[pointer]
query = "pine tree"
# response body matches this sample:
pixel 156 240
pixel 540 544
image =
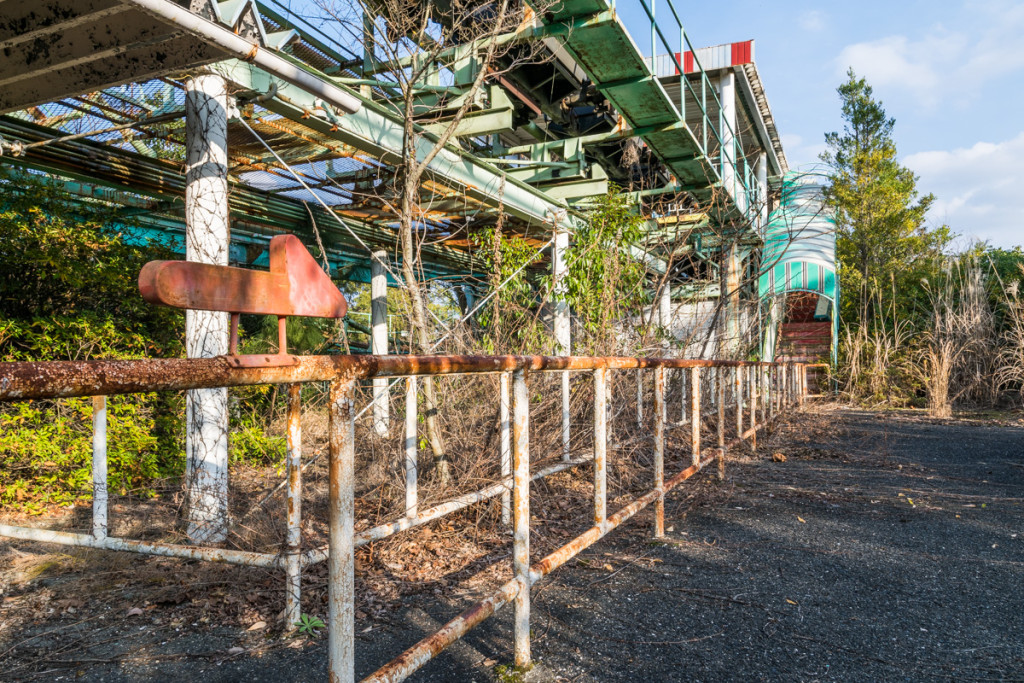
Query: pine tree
pixel 882 243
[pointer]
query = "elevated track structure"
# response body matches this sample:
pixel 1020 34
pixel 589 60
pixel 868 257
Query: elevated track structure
pixel 214 126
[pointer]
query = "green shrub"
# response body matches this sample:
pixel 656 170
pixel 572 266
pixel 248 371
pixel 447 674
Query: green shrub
pixel 68 291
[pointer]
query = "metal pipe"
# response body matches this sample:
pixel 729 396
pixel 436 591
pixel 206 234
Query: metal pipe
pixel 411 450
pixel 422 652
pixel 249 51
pixel 600 445
pixel 752 373
pixel 659 450
pixel 521 515
pixel 317 555
pixel 737 388
pixel 506 446
pixel 559 557
pixel 63 379
pixel 293 545
pixel 187 552
pixel 640 399
pixel 684 403
pixel 695 414
pixel 99 467
pixel 721 423
pixel 341 666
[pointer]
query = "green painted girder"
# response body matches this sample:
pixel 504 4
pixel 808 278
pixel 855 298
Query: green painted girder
pixel 376 132
pixel 617 67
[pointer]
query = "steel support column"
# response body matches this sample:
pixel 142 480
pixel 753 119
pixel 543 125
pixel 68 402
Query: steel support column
pixel 379 338
pixel 562 329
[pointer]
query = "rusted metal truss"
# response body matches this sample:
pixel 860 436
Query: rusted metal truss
pixel 762 391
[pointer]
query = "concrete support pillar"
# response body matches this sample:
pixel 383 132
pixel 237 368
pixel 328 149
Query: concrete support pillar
pixel 206 332
pixel 379 338
pixel 762 190
pixel 731 276
pixel 665 307
pixel 563 340
pixel 727 119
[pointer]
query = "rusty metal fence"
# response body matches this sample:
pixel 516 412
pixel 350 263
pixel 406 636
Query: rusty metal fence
pixel 759 392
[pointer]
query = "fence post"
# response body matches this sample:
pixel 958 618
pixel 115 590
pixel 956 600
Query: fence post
pixel 639 398
pixel 737 389
pixel 521 514
pixel 722 378
pixel 99 467
pixel 341 510
pixel 293 545
pixel 412 503
pixel 506 447
pixel 659 450
pixel 752 378
pixel 600 446
pixel 695 414
pixel 684 403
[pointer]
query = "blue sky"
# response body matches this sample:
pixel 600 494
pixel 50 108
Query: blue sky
pixel 951 73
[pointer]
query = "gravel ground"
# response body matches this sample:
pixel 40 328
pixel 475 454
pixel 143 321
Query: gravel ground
pixel 884 548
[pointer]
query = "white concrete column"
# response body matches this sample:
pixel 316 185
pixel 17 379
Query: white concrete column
pixel 563 334
pixel 379 338
pixel 762 190
pixel 731 275
pixel 727 95
pixel 665 307
pixel 206 332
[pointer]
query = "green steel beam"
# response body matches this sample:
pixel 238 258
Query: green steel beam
pixel 376 132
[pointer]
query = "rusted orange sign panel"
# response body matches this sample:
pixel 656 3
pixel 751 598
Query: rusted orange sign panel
pixel 295 285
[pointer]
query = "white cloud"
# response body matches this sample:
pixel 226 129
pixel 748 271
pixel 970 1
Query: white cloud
pixel 943 66
pixel 813 21
pixel 977 189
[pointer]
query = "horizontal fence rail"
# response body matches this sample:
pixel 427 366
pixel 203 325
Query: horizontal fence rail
pixel 761 391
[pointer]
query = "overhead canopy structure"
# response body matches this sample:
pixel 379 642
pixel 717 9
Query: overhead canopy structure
pixel 94 96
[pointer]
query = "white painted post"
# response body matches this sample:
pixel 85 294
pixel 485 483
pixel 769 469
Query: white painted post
pixel 411 450
pixel 207 239
pixel 665 308
pixel 563 333
pixel 727 94
pixel 99 467
pixel 762 190
pixel 506 446
pixel 379 338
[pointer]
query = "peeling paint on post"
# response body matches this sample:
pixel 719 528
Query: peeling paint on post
pixel 506 446
pixel 341 510
pixel 751 373
pixel 684 403
pixel 411 450
pixel 737 389
pixel 640 398
pixel 659 450
pixel 600 446
pixel 722 378
pixel 521 514
pixel 293 544
pixel 99 467
pixel 695 414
